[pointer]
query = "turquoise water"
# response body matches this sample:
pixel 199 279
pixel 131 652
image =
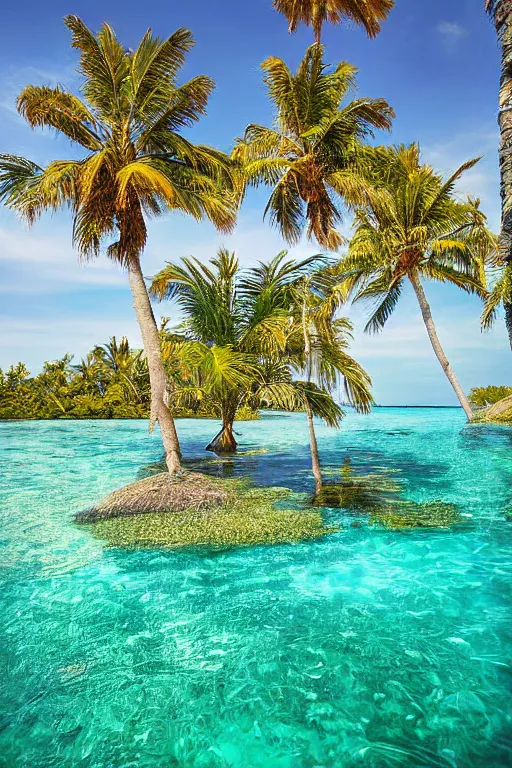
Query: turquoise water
pixel 368 648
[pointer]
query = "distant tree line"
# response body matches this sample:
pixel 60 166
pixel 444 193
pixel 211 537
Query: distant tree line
pixel 111 382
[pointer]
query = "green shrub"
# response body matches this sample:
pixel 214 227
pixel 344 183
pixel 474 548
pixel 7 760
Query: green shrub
pixel 484 396
pixel 246 413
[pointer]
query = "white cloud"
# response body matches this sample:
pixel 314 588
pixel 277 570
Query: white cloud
pixel 451 33
pixel 33 263
pixel 14 80
pixel 35 341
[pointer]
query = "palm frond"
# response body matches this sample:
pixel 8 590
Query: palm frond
pixel 46 107
pixel 321 402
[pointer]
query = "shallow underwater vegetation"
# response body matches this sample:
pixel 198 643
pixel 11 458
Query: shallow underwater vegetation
pixel 249 517
pixel 408 514
pixel 356 491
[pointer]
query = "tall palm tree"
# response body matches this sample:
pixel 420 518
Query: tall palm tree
pixel 236 328
pixel 308 156
pixel 318 347
pixel 313 13
pixel 135 164
pixel 501 13
pixel 411 227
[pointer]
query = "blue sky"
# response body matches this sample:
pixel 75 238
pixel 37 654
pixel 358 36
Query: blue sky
pixel 436 62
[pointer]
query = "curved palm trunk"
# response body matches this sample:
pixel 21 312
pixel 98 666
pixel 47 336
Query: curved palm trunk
pixel 157 377
pixel 315 458
pixel 503 21
pixel 436 344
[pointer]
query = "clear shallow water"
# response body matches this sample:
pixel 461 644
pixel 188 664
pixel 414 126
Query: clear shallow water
pixel 369 648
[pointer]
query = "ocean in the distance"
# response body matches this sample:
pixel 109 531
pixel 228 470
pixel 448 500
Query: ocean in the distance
pixel 369 648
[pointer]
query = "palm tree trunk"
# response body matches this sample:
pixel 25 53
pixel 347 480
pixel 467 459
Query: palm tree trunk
pixel 436 344
pixel 315 458
pixel 502 14
pixel 224 441
pixel 157 377
pixel 508 318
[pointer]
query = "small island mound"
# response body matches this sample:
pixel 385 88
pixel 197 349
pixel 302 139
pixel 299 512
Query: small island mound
pixel 196 510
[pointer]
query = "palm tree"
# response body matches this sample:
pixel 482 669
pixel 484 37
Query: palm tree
pixel 500 294
pixel 318 349
pixel 501 13
pixel 313 13
pixel 135 164
pixel 411 227
pixel 236 327
pixel 120 365
pixel 308 156
pixel 90 375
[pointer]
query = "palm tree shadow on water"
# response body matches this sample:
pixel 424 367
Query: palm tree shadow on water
pixel 368 486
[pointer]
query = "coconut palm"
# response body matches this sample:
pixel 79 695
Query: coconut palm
pixel 122 366
pixel 500 295
pixel 308 156
pixel 318 347
pixel 135 164
pixel 237 326
pixel 412 228
pixel 313 13
pixel 501 13
pixel 90 375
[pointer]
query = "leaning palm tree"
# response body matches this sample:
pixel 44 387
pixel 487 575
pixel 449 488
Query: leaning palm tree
pixel 412 228
pixel 314 13
pixel 308 156
pixel 501 13
pixel 135 164
pixel 318 346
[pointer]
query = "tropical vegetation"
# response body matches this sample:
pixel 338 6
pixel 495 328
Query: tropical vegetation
pixel 308 157
pixel 412 228
pixel 248 516
pixel 135 164
pixel 110 382
pixel 272 335
pixel 481 397
pixel 499 296
pixel 244 330
pixel 318 342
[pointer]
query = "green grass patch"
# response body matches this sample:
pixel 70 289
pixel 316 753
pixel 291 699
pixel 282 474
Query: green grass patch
pixel 482 418
pixel 250 517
